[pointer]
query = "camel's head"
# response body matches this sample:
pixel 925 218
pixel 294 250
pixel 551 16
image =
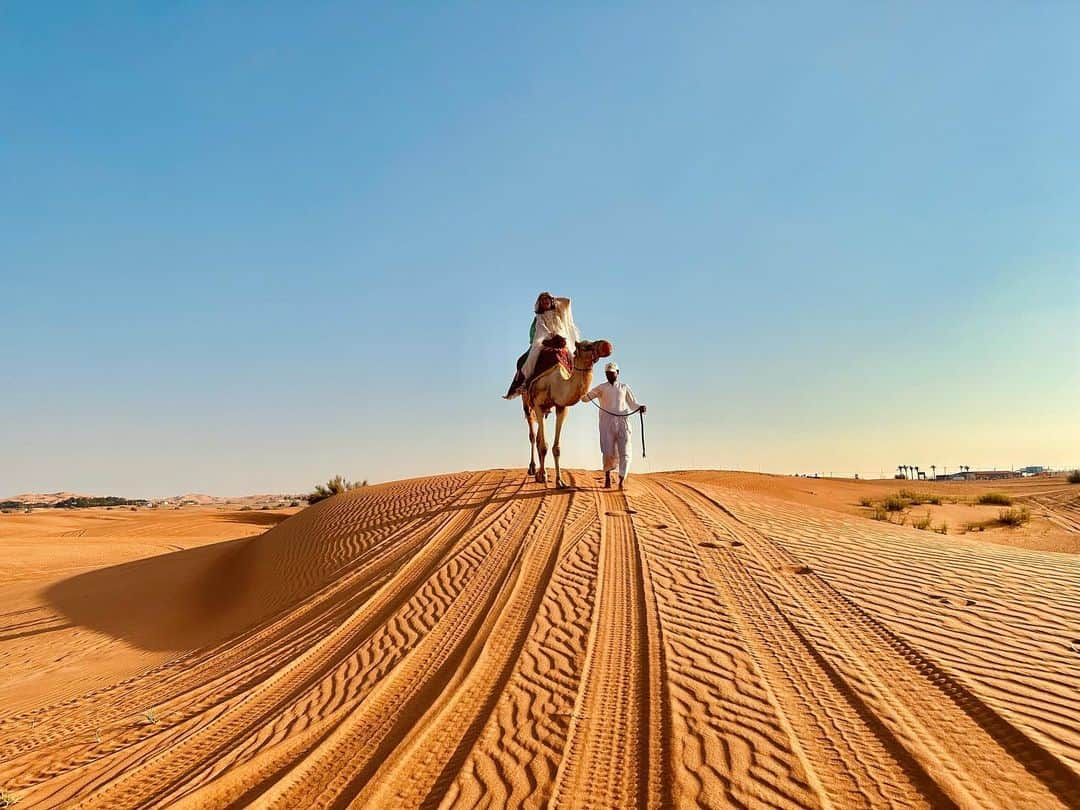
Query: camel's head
pixel 593 350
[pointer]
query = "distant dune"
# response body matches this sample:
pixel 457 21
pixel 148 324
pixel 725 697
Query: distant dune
pixel 49 499
pixel 478 640
pixel 44 498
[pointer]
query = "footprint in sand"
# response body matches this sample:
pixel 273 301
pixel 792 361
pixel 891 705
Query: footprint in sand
pixel 952 601
pixel 719 544
pixel 661 525
pixel 795 568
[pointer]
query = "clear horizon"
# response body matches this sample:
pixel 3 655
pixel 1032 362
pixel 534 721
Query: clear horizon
pixel 243 253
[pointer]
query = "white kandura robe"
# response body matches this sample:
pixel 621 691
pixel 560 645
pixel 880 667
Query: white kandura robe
pixel 615 431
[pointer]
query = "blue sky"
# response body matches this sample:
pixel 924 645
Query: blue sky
pixel 247 246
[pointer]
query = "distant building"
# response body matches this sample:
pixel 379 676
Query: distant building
pixel 1032 470
pixel 990 475
pixel 978 475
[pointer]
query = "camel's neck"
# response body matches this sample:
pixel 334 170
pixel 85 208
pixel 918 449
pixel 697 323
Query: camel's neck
pixel 578 385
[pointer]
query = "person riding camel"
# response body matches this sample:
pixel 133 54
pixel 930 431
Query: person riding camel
pixel 553 318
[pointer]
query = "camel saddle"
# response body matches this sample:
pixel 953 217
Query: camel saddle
pixel 552 354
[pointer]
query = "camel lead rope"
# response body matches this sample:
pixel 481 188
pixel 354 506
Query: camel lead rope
pixel 637 410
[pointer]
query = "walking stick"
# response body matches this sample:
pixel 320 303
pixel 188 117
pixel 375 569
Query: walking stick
pixel 641 416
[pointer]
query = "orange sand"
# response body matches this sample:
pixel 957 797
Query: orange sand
pixel 474 640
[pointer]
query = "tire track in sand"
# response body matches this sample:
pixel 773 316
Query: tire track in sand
pixel 517 754
pixel 341 764
pixel 977 758
pixel 851 760
pixel 433 754
pixel 614 755
pixel 162 763
pixel 729 745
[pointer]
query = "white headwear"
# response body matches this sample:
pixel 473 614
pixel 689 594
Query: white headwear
pixel 612 367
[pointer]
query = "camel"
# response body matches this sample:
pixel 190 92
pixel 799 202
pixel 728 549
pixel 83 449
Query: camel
pixel 558 389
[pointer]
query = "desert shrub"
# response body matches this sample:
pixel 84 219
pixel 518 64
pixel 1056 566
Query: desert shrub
pixel 923 523
pixel 335 486
pixel 943 528
pixel 1014 517
pixel 880 513
pixel 867 502
pixel 994 499
pixel 294 503
pixel 1073 477
pixel 9 799
pixel 919 498
pixel 894 503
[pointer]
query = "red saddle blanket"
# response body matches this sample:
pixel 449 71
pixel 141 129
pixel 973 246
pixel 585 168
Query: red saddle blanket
pixel 554 353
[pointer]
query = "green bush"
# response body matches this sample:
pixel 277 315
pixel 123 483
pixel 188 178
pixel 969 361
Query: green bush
pixel 893 503
pixel 922 523
pixel 994 499
pixel 335 486
pixel 1014 517
pixel 1073 477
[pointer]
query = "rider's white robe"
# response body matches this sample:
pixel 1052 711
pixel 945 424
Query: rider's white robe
pixel 615 431
pixel 558 321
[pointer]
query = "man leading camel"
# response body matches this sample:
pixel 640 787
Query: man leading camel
pixel 617 405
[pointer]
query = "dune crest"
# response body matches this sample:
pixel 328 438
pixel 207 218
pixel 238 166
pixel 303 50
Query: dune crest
pixel 479 640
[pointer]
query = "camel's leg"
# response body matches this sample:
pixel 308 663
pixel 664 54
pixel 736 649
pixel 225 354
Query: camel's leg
pixel 560 417
pixel 541 447
pixel 529 420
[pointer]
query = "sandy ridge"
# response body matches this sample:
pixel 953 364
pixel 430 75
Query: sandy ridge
pixel 478 640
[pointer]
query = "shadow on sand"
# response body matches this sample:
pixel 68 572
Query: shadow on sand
pixel 178 601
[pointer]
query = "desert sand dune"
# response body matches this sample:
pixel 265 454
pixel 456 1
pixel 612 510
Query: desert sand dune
pixel 477 640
